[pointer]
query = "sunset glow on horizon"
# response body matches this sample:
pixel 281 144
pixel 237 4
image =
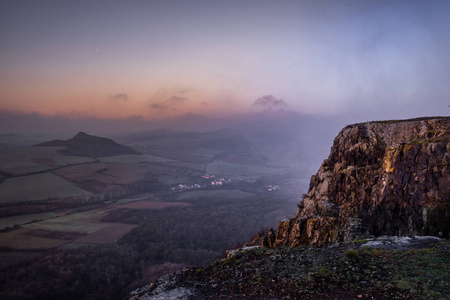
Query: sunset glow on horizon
pixel 160 59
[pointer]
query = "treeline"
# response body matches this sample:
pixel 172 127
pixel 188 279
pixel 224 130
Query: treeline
pixel 105 271
pixel 101 272
pixel 198 234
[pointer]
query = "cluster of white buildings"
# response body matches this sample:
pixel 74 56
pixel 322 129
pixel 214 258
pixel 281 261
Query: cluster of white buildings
pixel 211 180
pixel 207 176
pixel 271 187
pixel 184 187
pixel 216 181
pixel 220 181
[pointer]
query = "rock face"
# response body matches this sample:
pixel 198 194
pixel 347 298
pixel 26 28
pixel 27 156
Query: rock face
pixel 381 178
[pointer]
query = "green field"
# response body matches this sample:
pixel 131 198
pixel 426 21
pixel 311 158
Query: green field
pixel 9 222
pixel 38 187
pixel 52 231
pixel 85 222
pixel 110 173
pixel 85 179
pixel 26 160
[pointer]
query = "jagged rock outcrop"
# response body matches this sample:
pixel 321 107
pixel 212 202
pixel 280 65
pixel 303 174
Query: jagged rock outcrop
pixel 381 178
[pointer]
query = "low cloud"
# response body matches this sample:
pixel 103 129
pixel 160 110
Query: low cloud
pixel 175 100
pixel 123 97
pixel 158 106
pixel 186 90
pixel 269 102
pixel 170 104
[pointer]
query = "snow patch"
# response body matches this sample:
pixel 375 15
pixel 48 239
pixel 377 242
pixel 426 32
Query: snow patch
pixel 400 243
pixel 231 253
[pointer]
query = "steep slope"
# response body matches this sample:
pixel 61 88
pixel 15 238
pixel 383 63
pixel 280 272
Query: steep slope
pixel 83 144
pixel 381 178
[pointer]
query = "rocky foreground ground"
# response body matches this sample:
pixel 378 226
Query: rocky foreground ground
pixel 382 268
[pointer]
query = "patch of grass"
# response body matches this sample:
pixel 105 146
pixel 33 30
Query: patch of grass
pixel 342 272
pixel 323 271
pixel 258 279
pixel 220 261
pixel 351 254
pixel 362 241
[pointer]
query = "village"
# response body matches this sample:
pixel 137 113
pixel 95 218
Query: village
pixel 208 180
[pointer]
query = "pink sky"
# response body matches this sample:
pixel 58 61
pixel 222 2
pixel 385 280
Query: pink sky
pixel 158 59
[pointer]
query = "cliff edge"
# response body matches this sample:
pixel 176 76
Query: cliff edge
pixel 381 178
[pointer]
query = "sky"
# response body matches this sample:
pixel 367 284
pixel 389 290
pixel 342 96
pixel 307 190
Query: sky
pixel 155 60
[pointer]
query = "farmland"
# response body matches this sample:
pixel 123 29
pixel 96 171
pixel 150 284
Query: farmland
pixel 26 160
pixel 167 160
pixel 183 201
pixel 10 222
pixel 146 158
pixel 37 187
pixel 214 194
pixel 48 230
pixel 151 205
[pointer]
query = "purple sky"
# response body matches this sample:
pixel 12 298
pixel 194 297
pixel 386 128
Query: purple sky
pixel 360 60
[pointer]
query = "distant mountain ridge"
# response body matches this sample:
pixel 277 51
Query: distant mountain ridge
pixel 83 144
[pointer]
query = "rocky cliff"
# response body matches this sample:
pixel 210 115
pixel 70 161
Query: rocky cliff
pixel 381 178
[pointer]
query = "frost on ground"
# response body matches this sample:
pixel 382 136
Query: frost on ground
pixel 231 253
pixel 163 289
pixel 400 243
pixel 175 294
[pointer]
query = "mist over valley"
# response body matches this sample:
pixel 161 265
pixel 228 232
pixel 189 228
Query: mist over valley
pixel 163 198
